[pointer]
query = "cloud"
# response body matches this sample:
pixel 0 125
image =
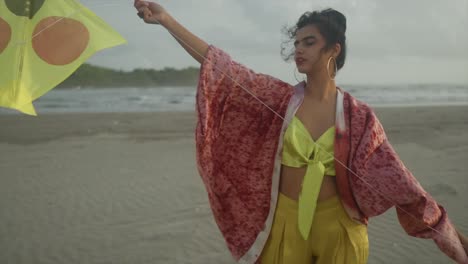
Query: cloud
pixel 397 32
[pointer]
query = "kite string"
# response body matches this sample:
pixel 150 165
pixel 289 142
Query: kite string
pixel 268 107
pixel 316 145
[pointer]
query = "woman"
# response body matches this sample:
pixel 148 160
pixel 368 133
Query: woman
pixel 293 173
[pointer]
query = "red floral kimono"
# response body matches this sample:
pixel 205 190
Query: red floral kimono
pixel 239 150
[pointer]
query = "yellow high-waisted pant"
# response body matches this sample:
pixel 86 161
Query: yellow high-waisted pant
pixel 334 238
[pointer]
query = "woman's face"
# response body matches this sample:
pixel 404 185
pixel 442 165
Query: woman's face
pixel 310 55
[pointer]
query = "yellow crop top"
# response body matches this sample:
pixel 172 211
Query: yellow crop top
pixel 299 150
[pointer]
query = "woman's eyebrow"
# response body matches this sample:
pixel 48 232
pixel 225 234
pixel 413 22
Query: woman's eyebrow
pixel 305 38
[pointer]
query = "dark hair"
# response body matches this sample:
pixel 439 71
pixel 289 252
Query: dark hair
pixel 330 23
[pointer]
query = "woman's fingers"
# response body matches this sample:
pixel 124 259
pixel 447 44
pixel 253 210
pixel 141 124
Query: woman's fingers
pixel 147 13
pixel 142 9
pixel 139 4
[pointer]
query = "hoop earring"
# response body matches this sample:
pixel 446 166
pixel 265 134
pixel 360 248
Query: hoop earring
pixel 328 67
pixel 295 75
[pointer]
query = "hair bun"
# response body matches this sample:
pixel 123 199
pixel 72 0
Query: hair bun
pixel 337 17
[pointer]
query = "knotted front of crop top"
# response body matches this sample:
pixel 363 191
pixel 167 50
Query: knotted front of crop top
pixel 300 150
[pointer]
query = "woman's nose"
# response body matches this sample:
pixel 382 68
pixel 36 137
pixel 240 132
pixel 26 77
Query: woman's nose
pixel 299 51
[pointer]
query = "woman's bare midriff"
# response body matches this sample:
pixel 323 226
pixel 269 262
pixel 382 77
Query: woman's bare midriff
pixel 291 183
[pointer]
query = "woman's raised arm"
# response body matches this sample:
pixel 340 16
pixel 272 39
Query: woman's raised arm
pixel 153 13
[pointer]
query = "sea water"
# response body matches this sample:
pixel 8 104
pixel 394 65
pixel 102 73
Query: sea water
pixel 161 99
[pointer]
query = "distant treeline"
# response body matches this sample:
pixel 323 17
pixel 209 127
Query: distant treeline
pixel 94 76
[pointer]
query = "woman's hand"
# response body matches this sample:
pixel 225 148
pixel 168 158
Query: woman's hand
pixel 150 12
pixel 153 13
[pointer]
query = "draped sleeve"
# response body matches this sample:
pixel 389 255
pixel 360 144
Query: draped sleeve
pixel 379 166
pixel 237 139
pixel 222 79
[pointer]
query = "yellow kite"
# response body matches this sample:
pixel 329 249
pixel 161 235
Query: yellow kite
pixel 42 42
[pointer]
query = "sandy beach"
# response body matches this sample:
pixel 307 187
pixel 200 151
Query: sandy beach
pixel 124 188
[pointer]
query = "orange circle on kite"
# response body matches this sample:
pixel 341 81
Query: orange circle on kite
pixel 59 40
pixel 5 34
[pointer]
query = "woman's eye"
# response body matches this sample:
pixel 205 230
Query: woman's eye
pixel 296 44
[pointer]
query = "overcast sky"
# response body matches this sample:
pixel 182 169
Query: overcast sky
pixel 399 41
